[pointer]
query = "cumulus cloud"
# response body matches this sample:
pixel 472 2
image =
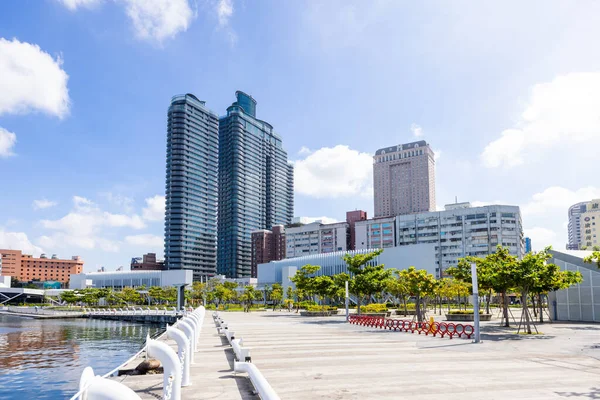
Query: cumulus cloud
pixel 304 151
pixel 155 208
pixel 416 130
pixel 154 20
pixel 31 80
pixel 565 110
pixel 84 224
pixel 75 4
pixel 7 143
pixel 43 203
pixel 323 220
pixel 558 198
pixel 224 11
pixel 146 240
pixel 332 172
pixel 159 19
pixel 119 200
pixel 542 237
pixel 18 241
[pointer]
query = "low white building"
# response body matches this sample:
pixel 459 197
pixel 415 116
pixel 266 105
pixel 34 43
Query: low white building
pixel 421 256
pixel 316 238
pixel 120 279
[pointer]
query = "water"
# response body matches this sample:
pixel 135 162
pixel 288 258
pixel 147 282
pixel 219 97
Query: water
pixel 43 359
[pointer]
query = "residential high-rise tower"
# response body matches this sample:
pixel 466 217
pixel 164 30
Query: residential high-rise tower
pixel 404 179
pixel 256 184
pixel 191 187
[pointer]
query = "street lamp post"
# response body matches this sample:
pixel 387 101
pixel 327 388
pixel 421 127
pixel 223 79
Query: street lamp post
pixel 475 302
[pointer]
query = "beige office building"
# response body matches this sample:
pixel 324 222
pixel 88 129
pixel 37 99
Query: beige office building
pixel 404 179
pixel 589 225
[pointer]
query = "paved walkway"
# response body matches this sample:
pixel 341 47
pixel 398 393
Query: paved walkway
pixel 326 358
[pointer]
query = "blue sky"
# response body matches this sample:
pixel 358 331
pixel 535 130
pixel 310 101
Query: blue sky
pixel 506 93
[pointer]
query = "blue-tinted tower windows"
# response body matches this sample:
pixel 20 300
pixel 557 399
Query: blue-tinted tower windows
pixel 191 187
pixel 256 184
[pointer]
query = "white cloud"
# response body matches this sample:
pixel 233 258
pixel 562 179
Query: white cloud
pixel 84 225
pixel 31 80
pixel 557 198
pixel 18 241
pixel 146 240
pixel 334 172
pixel 224 11
pixel 119 200
pixel 159 19
pixel 155 208
pixel 43 203
pixel 323 220
pixel 304 151
pixel 416 130
pixel 541 237
pixel 74 4
pixel 437 154
pixel 7 142
pixel 565 110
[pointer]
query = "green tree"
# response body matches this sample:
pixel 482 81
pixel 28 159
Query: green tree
pixel 69 297
pixel 593 258
pixel 156 293
pixel 420 284
pixel 247 297
pixel 129 296
pixel 366 279
pixel 399 289
pixel 303 279
pixel 338 293
pixel 276 295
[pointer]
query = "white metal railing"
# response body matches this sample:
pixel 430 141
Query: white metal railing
pixel 242 362
pixel 174 364
pixel 40 311
pixel 172 311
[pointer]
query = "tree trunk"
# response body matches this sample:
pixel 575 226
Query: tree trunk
pixel 540 303
pixel 358 301
pixel 533 305
pixel 487 301
pixel 526 312
pixel 405 306
pixel 418 309
pixel 448 300
pixel 505 309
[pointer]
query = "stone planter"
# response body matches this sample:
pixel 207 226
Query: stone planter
pixel 467 317
pixel 401 312
pixel 381 314
pixel 316 313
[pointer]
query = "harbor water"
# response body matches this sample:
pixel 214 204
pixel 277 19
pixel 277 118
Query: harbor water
pixel 43 359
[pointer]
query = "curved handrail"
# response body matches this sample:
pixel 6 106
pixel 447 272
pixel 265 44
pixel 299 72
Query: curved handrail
pixel 262 386
pixel 183 351
pixel 171 368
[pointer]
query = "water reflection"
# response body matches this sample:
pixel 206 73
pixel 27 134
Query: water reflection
pixel 43 359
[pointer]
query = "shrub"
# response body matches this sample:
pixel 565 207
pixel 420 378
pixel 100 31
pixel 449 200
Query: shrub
pixel 374 308
pixel 314 307
pixel 462 312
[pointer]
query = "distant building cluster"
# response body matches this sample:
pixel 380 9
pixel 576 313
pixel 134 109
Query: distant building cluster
pixel 26 268
pixel 147 262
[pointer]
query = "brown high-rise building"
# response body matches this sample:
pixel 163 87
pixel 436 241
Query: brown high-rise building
pixel 147 263
pixel 267 246
pixel 26 268
pixel 404 179
pixel 352 217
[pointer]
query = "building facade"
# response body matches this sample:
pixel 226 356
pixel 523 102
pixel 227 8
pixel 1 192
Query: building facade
pixel 376 233
pixel 421 256
pixel 256 184
pixel 528 245
pixel 27 268
pixel 580 302
pixel 589 221
pixel 404 179
pixel 147 262
pixel 267 245
pixel 352 217
pixel 574 227
pixel 121 279
pixel 461 230
pixel 317 238
pixel 191 187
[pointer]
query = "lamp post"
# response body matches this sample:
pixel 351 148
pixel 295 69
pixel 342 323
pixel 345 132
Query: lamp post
pixel 475 302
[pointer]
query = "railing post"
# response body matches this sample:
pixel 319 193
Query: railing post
pixel 171 367
pixel 184 350
pixel 189 331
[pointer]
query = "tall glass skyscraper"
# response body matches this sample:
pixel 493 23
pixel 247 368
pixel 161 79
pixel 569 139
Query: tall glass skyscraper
pixel 191 187
pixel 256 184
